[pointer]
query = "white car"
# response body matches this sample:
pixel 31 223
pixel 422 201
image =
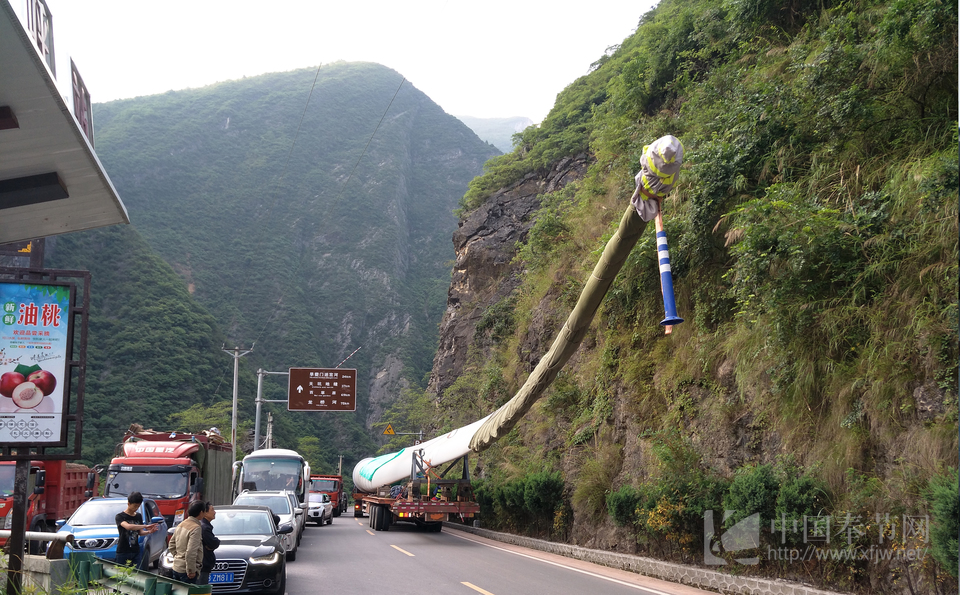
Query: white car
pixel 301 513
pixel 321 508
pixel 280 504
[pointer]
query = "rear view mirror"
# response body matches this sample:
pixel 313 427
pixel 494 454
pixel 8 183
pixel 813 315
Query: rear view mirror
pixel 284 529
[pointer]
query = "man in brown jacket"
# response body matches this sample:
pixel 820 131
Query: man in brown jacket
pixel 186 546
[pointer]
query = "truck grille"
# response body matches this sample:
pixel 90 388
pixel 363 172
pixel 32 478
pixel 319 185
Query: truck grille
pixel 239 570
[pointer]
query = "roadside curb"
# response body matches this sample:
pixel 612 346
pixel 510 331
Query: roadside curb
pixel 668 571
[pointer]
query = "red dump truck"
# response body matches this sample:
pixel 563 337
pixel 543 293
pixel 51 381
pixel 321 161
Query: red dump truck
pixel 173 469
pixel 332 485
pixel 65 487
pixel 427 499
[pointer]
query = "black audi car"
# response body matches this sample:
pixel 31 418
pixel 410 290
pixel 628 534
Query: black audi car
pixel 251 558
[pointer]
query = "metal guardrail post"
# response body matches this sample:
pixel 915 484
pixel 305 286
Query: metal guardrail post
pixel 91 572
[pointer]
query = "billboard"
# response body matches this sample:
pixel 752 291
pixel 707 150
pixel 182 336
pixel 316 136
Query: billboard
pixel 35 331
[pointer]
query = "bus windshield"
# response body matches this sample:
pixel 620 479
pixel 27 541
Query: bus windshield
pixel 265 474
pixel 149 483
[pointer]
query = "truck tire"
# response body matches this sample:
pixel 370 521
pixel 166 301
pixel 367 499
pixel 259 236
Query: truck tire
pixel 375 517
pixel 336 511
pixel 37 547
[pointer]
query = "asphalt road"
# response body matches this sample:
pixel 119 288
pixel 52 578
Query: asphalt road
pixel 349 558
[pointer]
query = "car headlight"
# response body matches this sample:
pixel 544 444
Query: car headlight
pixel 268 559
pixel 8 521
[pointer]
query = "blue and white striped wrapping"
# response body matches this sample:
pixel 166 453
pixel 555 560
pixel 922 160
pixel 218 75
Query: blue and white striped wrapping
pixel 666 281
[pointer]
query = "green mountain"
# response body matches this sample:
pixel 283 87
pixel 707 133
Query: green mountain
pixel 309 212
pixel 814 248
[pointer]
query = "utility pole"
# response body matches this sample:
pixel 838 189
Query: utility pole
pixel 269 430
pixel 235 353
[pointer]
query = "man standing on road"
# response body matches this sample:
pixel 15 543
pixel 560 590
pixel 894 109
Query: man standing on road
pixel 210 543
pixel 130 527
pixel 186 546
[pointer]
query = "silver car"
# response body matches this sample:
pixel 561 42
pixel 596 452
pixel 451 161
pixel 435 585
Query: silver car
pixel 281 505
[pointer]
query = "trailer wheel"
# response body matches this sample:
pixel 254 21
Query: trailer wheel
pixel 377 516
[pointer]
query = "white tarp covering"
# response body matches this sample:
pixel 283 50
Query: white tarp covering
pixel 372 473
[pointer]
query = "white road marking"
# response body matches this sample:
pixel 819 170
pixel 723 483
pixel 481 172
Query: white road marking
pixel 587 572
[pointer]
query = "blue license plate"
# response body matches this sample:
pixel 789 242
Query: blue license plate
pixel 217 578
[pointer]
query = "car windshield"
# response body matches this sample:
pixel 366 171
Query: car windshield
pixel 150 484
pixel 97 513
pixel 278 504
pixel 317 497
pixel 244 522
pixel 323 485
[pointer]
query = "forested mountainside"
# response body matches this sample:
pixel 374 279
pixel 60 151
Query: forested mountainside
pixel 814 244
pixel 308 212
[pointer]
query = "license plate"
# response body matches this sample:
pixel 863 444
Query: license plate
pixel 221 577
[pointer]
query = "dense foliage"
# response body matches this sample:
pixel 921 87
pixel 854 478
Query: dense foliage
pixel 814 247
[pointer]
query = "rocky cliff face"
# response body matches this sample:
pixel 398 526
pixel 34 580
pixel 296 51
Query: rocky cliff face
pixel 483 273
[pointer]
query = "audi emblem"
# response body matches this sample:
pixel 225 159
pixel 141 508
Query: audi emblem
pixel 221 566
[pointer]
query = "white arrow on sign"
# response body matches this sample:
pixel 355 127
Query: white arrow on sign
pixel 300 389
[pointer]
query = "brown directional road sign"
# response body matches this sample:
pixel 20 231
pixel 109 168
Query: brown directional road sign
pixel 322 389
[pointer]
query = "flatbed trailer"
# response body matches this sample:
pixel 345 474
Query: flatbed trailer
pixel 428 499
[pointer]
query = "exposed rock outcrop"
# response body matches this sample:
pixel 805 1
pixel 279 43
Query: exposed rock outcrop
pixel 484 272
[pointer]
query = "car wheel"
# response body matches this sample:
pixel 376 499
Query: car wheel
pixel 330 520
pixel 292 556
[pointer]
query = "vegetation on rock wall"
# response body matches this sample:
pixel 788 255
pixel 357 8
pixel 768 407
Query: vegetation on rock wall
pixel 814 243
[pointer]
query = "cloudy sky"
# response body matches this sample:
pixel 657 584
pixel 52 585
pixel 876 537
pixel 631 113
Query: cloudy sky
pixel 495 58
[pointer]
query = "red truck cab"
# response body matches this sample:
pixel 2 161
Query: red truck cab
pixel 332 485
pixel 56 489
pixel 172 469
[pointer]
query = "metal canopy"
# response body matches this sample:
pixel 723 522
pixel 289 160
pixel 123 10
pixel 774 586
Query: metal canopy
pixel 47 143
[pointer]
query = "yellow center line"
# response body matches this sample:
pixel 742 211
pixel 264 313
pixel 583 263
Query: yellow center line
pixel 477 589
pixel 402 550
pixel 371 532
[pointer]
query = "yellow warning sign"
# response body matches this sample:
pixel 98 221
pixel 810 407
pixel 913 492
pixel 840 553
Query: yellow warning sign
pixel 389 430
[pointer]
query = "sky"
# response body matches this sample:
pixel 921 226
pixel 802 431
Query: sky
pixel 489 59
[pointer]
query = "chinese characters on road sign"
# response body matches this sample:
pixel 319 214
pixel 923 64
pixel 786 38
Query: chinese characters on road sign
pixel 322 389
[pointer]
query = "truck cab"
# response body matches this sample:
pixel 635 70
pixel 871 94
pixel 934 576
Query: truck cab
pixel 55 488
pixel 333 486
pixel 173 470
